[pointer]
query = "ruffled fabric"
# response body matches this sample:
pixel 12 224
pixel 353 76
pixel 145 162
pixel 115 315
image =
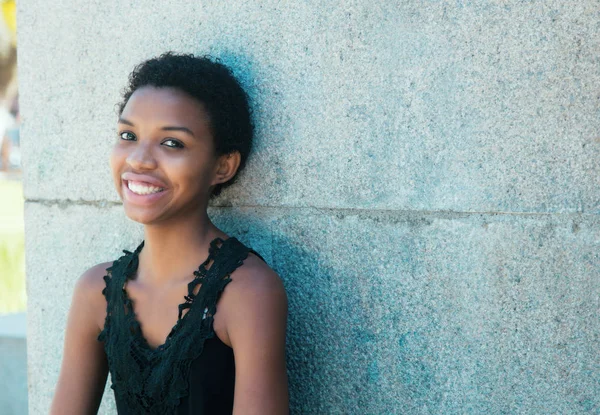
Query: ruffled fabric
pixel 153 381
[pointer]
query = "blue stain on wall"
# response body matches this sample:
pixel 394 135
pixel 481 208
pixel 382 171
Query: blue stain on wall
pixel 373 372
pixel 415 374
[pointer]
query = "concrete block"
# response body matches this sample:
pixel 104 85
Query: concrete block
pixel 468 106
pixel 389 312
pixel 411 314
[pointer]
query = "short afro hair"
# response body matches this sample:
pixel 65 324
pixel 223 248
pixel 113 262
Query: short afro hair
pixel 214 85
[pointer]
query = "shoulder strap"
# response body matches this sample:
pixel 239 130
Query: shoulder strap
pixel 257 254
pixel 231 255
pixel 111 291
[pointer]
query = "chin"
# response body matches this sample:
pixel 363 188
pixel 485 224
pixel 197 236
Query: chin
pixel 145 218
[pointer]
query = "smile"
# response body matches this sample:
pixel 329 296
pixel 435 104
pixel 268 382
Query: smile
pixel 141 188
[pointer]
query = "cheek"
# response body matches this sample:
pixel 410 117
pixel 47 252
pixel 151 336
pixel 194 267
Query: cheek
pixel 115 161
pixel 205 175
pixel 190 168
pixel 197 177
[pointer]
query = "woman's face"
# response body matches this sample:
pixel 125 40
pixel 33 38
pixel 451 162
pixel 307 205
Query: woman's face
pixel 163 162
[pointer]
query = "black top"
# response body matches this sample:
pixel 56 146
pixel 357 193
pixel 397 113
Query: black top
pixel 193 372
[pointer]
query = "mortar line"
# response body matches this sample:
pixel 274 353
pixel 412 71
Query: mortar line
pixel 109 203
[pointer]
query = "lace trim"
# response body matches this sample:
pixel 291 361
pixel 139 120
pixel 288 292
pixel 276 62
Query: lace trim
pixel 118 264
pixel 200 274
pixel 199 277
pixel 155 380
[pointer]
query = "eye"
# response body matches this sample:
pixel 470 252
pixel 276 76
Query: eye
pixel 172 143
pixel 127 136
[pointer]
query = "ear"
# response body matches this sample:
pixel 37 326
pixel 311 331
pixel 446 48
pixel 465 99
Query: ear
pixel 227 165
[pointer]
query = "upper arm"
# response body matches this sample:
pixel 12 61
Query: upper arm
pixel 256 321
pixel 84 366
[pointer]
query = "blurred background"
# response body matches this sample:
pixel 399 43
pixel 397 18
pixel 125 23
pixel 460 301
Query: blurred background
pixel 13 301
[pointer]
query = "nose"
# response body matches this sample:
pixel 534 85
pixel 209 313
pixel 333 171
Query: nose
pixel 141 158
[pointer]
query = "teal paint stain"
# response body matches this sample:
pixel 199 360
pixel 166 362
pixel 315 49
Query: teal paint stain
pixel 587 405
pixel 415 374
pixel 364 337
pixel 373 372
pixel 409 339
pixel 402 339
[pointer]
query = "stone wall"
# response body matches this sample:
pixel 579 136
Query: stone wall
pixel 425 180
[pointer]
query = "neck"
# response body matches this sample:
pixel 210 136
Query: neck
pixel 173 251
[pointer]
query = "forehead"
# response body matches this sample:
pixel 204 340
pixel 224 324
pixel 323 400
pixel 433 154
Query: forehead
pixel 165 105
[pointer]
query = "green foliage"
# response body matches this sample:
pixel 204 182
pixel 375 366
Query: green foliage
pixel 12 273
pixel 12 249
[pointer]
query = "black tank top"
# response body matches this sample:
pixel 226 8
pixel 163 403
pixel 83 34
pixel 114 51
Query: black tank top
pixel 193 372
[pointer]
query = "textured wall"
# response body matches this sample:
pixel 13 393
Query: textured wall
pixel 425 180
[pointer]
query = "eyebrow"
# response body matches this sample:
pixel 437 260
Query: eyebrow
pixel 166 128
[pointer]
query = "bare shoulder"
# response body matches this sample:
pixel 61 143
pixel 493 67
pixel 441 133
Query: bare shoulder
pixel 255 291
pixel 88 290
pixel 84 367
pixel 92 279
pixel 256 330
pixel 256 277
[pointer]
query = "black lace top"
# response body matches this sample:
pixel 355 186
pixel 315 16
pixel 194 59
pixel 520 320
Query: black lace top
pixel 193 372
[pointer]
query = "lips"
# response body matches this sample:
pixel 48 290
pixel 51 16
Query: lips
pixel 143 179
pixel 142 189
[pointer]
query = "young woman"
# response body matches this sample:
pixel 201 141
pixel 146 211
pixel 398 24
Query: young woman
pixel 192 321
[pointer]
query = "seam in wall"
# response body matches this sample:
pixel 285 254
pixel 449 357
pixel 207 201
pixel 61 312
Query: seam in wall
pixel 64 203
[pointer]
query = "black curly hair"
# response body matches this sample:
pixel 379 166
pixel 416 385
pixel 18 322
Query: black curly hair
pixel 214 85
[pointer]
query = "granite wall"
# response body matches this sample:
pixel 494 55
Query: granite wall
pixel 425 180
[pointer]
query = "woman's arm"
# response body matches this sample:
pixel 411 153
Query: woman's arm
pixel 256 319
pixel 84 367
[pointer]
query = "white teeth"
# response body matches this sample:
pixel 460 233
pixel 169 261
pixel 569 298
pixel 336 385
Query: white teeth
pixel 141 189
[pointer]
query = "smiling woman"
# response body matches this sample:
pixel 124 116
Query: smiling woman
pixel 166 127
pixel 192 321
